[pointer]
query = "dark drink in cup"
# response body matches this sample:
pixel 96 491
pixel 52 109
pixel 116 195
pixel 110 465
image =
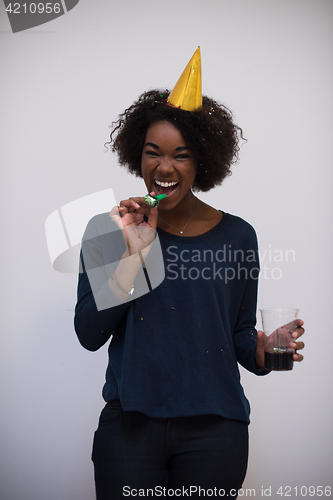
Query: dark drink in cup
pixel 278 325
pixel 278 359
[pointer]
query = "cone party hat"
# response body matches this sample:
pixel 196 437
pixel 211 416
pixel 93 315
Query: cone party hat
pixel 187 94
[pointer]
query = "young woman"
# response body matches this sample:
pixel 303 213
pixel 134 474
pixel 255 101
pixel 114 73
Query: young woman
pixel 176 417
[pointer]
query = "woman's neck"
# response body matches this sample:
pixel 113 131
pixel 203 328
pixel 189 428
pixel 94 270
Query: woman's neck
pixel 180 218
pixel 181 213
pixel 191 217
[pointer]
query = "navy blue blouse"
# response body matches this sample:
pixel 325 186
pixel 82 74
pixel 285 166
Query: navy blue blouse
pixel 174 350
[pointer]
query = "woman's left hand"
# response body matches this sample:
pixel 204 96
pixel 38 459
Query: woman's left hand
pixel 260 352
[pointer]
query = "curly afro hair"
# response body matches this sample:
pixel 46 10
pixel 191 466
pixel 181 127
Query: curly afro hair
pixel 209 132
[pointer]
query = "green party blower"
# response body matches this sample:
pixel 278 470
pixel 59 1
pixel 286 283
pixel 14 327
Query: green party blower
pixel 153 201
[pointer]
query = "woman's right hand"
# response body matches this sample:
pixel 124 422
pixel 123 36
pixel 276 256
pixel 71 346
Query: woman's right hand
pixel 129 217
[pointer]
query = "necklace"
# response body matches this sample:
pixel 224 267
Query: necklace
pixel 181 231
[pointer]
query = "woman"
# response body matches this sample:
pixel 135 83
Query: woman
pixel 176 418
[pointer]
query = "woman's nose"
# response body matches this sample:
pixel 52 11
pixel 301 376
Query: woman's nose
pixel 165 164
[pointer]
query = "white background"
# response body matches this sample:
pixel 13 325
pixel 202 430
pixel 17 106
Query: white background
pixel 62 84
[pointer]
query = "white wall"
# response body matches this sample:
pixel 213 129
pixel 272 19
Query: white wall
pixel 62 84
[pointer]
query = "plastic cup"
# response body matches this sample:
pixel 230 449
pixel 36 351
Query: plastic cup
pixel 278 325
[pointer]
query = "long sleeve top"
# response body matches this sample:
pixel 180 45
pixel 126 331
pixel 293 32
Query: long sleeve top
pixel 175 349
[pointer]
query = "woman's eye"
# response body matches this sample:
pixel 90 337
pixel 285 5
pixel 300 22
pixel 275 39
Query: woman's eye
pixel 152 153
pixel 183 157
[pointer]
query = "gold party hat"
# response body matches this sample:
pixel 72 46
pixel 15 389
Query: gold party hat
pixel 187 93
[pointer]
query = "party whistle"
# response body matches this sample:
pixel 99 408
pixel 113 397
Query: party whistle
pixel 153 201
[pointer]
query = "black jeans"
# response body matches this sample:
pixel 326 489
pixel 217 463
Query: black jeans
pixel 137 455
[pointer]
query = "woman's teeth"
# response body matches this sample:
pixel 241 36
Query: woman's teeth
pixel 166 184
